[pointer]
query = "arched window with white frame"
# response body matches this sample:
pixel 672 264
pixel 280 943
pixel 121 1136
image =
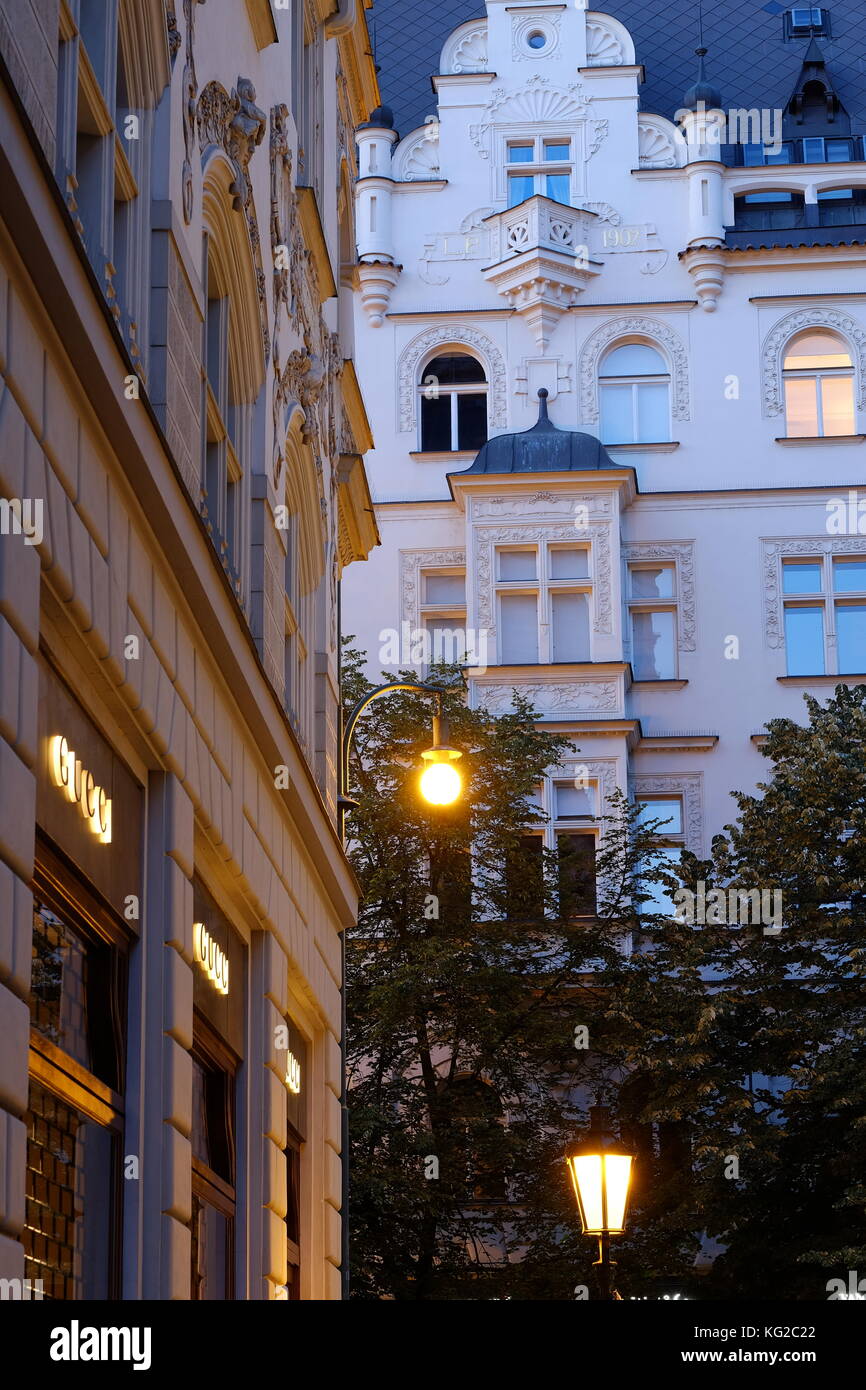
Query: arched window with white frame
pixel 453 397
pixel 818 375
pixel 635 395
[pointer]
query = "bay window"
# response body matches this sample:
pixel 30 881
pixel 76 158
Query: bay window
pixel 544 595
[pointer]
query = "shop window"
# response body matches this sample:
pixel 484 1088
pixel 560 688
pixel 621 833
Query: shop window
pixel 213 1167
pixel 74 1121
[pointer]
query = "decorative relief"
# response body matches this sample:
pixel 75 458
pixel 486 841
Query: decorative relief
pixel 235 124
pixel 414 352
pixel 657 147
pixel 596 132
pixel 777 339
pixel 466 51
pixel 777 551
pixel 603 48
pixel 598 534
pixel 522 26
pixel 605 213
pixel 683 553
pixel 417 157
pixel 411 564
pixel 597 505
pixel 536 103
pixel 190 89
pixel 171 30
pixel 653 329
pixel 688 785
pixel 561 698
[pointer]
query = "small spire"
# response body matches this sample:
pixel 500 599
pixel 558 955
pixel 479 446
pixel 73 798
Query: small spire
pixel 542 404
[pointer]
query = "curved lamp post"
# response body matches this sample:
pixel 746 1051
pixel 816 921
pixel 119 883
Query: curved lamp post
pixel 440 784
pixel 601 1172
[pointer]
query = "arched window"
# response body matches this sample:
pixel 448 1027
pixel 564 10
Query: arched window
pixel 634 386
pixel 819 385
pixel 453 392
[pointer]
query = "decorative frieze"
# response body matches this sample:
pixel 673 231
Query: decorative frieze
pixel 559 700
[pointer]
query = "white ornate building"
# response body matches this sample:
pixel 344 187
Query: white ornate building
pixel 695 303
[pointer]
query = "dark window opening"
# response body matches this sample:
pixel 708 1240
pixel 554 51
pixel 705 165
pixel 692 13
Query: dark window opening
pixel 524 879
pixel 761 212
pixel 577 886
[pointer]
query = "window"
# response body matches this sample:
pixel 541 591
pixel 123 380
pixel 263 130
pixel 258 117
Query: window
pixel 544 597
pixel 74 1122
pixel 841 207
pixel 666 812
pixel 652 605
pixel 213 1166
pixel 477 1128
pixel 817 593
pixel 443 614
pixel 576 870
pixel 819 386
pixel 764 211
pixel 754 155
pixel 634 386
pixel 540 165
pixel 226 427
pixel 453 404
pixel 293 1217
pixel 818 150
pixel 801 21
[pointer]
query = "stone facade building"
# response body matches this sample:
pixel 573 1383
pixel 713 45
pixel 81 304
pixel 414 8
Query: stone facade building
pixel 181 488
pixel 574 217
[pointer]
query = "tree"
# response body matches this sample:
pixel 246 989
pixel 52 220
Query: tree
pixel 469 974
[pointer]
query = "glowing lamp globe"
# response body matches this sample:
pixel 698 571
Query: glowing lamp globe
pixel 601 1173
pixel 441 783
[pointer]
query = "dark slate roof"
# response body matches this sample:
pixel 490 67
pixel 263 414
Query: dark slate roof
pixel 542 449
pixel 747 59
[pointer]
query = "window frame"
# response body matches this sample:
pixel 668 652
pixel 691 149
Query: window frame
pixel 635 380
pixel 209 1187
pixel 429 611
pixel 818 375
pixel 544 588
pixel 829 599
pixel 538 168
pixel 653 605
pixel 469 388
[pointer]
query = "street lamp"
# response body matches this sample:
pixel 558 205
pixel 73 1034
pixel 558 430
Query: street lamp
pixel 601 1173
pixel 441 785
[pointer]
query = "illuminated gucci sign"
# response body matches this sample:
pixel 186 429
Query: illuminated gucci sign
pixel 79 787
pixel 210 958
pixel 293 1074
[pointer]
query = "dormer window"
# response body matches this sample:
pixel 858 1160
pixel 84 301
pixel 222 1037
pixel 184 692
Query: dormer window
pixel 542 165
pixel 817 150
pixel 807 21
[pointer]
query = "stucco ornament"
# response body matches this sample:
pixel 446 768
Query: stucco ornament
pixel 625 328
pixel 772 353
pixel 688 785
pixel 408 370
pixel 190 89
pixel 233 122
pixel 466 50
pixel 537 103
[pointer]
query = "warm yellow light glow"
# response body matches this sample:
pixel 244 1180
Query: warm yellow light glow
pixel 441 784
pixel 601 1182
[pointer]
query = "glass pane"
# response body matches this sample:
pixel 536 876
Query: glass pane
pixel 805 578
pixel 556 149
pixel 801 407
pixel 804 639
pixel 454 369
pixel 813 150
pixel 68 1212
pixel 617 424
pixel 838 151
pixel 653 414
pixel 520 154
pixel 559 188
pixel 444 588
pixel 70 994
pixel 668 812
pixel 436 423
pixel 520 187
pixel 837 405
pixel 447 640
pixel 851 637
pixel 517 564
pixel 570 627
pixel 653 644
pixel 633 359
pixel 785 154
pixel 812 351
pixel 570 563
pixel 471 421
pixel 849 576
pixel 210 1251
pixel 573 801
pixel 753 155
pixel 659 899
pixel 524 876
pixel 655 582
pixel 576 874
pixel 519 628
